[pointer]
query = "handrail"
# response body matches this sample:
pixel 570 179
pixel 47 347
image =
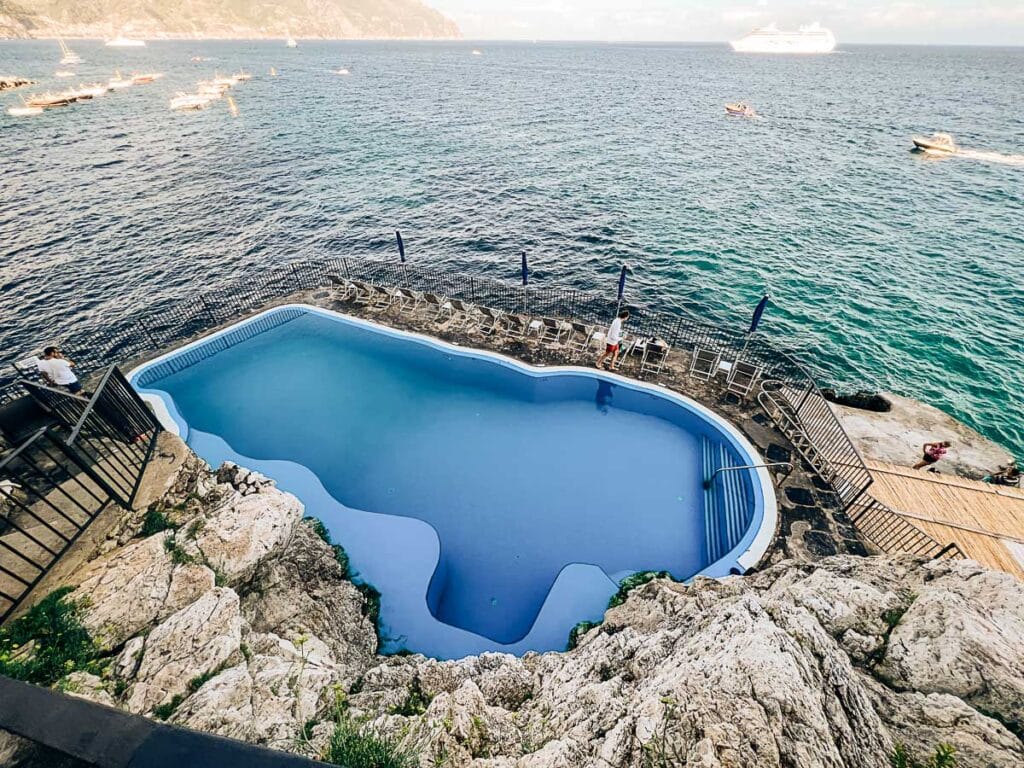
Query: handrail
pixel 710 481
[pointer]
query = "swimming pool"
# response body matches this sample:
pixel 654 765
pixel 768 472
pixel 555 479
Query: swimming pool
pixel 493 504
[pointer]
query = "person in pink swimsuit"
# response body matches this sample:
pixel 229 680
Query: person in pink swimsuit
pixel 932 453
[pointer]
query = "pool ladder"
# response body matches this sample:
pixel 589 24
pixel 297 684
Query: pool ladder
pixel 728 507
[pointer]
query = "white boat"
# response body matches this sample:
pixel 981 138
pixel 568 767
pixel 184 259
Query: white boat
pixel 937 143
pixel 740 109
pixel 291 42
pixel 45 100
pixel 146 77
pixel 24 111
pixel 242 76
pixel 190 101
pixel 67 55
pixel 477 52
pixel 813 38
pixel 342 71
pixel 64 73
pixel 211 89
pixel 125 42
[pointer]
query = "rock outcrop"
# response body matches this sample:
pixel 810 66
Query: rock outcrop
pixel 241 622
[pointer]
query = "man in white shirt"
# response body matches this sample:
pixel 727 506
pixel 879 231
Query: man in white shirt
pixel 57 370
pixel 613 339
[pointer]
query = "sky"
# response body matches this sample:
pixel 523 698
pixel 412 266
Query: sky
pixel 982 22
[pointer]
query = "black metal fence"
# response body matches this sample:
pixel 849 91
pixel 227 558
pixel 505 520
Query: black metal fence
pixel 56 482
pixel 166 325
pixel 892 533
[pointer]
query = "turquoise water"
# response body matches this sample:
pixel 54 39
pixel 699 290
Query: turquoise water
pixel 889 269
pixel 509 486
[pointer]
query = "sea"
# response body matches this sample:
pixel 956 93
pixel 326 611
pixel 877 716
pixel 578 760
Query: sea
pixel 887 269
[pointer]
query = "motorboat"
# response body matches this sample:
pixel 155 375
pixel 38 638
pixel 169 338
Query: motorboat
pixel 937 142
pixel 740 109
pixel 64 73
pixel 812 38
pixel 342 71
pixel 24 111
pixel 198 59
pixel 68 56
pixel 76 95
pixel 190 102
pixel 290 42
pixel 242 76
pixel 125 42
pixel 225 82
pixel 477 52
pixel 147 77
pixel 46 100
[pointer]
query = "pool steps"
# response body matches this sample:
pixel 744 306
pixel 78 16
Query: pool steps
pixel 727 503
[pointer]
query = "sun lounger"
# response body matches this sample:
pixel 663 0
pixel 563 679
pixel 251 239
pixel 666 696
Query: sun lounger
pixel 555 331
pixel 342 288
pixel 579 338
pixel 465 315
pixel 742 377
pixel 516 325
pixel 409 300
pixel 704 363
pixel 627 347
pixel 438 306
pixel 364 292
pixel 654 357
pixel 492 320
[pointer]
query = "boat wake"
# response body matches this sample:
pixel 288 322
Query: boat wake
pixel 992 157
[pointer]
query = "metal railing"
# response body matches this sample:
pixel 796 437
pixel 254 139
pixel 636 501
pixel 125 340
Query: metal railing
pixel 805 417
pixel 892 533
pixel 55 483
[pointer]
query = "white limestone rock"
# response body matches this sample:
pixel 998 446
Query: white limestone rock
pixel 192 642
pixel 86 686
pixel 222 705
pixel 235 538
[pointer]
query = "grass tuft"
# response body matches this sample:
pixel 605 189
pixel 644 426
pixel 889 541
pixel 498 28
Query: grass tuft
pixel 60 643
pixel 356 745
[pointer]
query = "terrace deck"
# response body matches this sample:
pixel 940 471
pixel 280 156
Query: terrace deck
pixel 986 521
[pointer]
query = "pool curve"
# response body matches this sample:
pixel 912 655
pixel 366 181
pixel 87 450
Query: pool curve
pixel 418 591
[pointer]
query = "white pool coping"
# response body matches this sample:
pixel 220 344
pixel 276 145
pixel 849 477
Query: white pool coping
pixel 747 558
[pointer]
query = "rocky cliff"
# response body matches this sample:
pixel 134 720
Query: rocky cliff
pixel 223 19
pixel 240 620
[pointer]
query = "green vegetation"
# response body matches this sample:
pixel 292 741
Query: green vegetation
pixel 630 583
pixel 199 681
pixel 356 745
pixel 48 642
pixel 156 520
pixel 178 555
pixel 944 757
pixel 164 711
pixel 339 551
pixel 415 703
pixel 371 605
pixel 579 631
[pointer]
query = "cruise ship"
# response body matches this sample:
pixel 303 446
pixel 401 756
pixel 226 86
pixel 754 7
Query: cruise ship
pixel 810 39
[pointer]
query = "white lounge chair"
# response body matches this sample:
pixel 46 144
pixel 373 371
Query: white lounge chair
pixel 704 363
pixel 742 377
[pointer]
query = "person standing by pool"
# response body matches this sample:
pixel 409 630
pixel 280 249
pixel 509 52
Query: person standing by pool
pixel 932 453
pixel 56 369
pixel 613 339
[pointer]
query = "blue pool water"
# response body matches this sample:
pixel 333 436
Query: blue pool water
pixel 493 507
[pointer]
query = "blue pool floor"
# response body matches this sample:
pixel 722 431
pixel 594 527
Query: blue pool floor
pixel 519 477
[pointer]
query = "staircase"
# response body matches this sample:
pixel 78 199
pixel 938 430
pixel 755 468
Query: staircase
pixel 728 503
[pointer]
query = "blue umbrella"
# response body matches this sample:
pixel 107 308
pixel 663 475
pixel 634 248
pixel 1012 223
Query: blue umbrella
pixel 762 305
pixel 622 283
pixel 526 270
pixel 401 245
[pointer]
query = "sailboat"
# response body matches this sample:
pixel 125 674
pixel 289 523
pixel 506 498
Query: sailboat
pixel 67 55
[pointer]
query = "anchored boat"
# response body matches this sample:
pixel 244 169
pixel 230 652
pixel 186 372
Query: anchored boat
pixel 809 39
pixel 68 56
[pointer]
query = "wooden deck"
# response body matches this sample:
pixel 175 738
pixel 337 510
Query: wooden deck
pixel 986 521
